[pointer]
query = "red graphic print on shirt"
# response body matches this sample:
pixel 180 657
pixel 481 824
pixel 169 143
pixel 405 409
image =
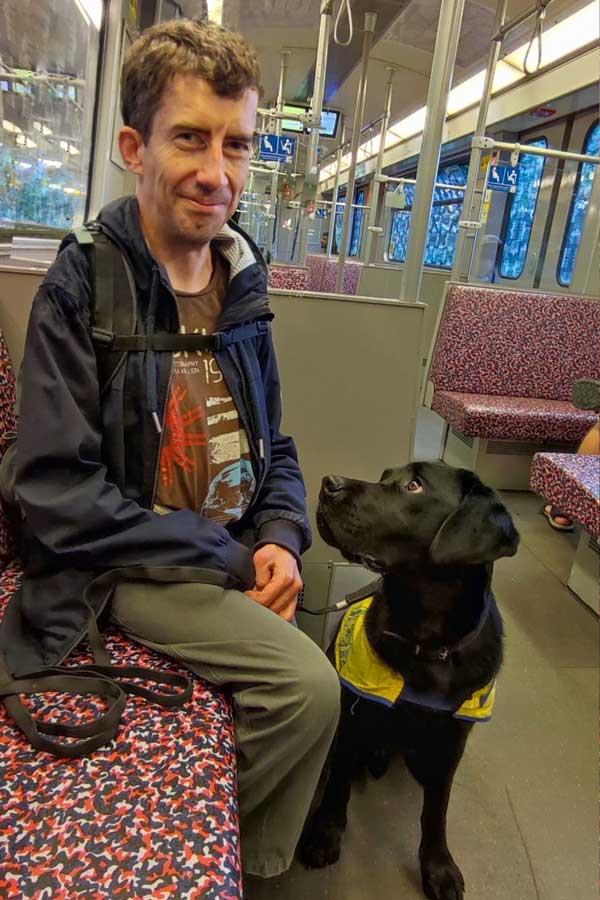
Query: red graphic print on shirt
pixel 178 439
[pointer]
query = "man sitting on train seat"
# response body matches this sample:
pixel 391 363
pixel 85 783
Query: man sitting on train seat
pixel 175 462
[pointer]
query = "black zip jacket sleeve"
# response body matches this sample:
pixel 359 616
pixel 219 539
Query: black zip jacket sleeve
pixel 281 503
pixel 79 517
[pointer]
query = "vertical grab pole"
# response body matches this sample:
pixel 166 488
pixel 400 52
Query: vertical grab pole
pixel 385 124
pixel 336 190
pixel 465 232
pixel 370 22
pixel 316 111
pixel 444 56
pixel 278 124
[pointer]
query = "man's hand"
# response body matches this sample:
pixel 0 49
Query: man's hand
pixel 278 581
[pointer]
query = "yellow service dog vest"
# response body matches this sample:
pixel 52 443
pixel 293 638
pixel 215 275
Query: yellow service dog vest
pixel 361 670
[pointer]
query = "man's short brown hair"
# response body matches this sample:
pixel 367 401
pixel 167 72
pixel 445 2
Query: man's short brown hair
pixel 183 47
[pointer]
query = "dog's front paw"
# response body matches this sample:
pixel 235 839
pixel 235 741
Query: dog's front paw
pixel 320 844
pixel 442 879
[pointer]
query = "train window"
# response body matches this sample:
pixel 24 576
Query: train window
pixel 443 221
pixel 522 212
pixel 579 205
pixel 47 93
pixel 357 221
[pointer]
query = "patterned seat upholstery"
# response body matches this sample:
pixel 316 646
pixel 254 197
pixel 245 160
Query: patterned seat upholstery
pixel 571 482
pixel 152 815
pixel 352 272
pixel 288 278
pixel 512 418
pixel 320 276
pixel 505 362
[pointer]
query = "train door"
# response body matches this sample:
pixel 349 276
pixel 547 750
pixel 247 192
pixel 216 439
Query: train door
pixel 570 202
pixel 540 225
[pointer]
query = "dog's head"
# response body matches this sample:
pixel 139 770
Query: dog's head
pixel 422 512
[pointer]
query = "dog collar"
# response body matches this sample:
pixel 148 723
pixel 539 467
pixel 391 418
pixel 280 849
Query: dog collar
pixel 441 654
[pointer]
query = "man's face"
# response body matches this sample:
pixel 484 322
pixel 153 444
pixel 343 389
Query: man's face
pixel 194 167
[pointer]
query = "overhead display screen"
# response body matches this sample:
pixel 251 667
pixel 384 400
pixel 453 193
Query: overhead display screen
pixel 329 120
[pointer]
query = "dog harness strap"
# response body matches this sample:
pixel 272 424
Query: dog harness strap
pixel 442 653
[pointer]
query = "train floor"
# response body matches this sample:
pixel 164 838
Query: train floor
pixel 523 819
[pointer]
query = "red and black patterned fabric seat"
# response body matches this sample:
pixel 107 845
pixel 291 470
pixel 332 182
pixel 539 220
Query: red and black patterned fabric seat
pixel 320 276
pixel 505 363
pixel 513 418
pixel 152 815
pixel 288 278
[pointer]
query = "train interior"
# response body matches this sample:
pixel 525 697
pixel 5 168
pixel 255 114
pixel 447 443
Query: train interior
pixel 424 188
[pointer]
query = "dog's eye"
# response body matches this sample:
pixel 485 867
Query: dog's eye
pixel 414 486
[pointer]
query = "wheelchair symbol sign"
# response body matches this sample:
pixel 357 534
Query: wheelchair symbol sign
pixel 277 149
pixel 503 178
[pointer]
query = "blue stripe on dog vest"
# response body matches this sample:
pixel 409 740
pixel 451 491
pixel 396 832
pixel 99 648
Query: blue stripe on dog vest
pixel 362 672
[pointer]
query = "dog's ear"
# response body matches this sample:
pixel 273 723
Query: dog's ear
pixel 479 531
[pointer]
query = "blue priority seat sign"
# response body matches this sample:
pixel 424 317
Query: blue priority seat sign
pixel 277 149
pixel 502 177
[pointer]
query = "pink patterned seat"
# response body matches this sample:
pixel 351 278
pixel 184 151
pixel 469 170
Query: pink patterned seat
pixel 152 815
pixel 571 482
pixel 352 272
pixel 288 278
pixel 513 418
pixel 316 267
pixel 505 362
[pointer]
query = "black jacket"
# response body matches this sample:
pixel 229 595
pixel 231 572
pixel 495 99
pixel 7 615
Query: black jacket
pixel 86 467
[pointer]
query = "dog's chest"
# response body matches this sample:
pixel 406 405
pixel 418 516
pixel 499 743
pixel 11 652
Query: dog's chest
pixel 432 687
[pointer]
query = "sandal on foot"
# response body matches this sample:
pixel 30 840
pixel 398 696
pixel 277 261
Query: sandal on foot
pixel 552 513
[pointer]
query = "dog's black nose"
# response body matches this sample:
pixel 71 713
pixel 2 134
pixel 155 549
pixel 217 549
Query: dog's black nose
pixel 332 484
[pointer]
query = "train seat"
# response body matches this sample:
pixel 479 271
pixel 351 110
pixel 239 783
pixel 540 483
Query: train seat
pixel 502 371
pixel 571 482
pixel 320 275
pixel 154 814
pixel 513 418
pixel 288 278
pixel 352 272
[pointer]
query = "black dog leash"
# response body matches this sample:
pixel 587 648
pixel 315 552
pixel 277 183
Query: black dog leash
pixel 349 600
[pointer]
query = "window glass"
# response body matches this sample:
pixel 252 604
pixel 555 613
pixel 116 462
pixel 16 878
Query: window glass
pixel 357 221
pixel 522 212
pixel 579 205
pixel 48 69
pixel 443 222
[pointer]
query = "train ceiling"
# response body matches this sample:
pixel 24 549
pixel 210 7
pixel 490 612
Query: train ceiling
pixel 405 37
pixel 55 39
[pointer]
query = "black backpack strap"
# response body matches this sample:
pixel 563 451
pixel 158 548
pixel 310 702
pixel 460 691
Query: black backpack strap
pixel 114 314
pixel 114 300
pixel 166 341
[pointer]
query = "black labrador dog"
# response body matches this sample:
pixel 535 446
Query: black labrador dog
pixel 431 633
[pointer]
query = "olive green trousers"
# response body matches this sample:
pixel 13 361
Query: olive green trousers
pixel 285 696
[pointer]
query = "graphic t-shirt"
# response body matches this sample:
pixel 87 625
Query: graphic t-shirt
pixel 205 456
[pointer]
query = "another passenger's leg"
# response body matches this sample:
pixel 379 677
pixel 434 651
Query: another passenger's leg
pixel 285 695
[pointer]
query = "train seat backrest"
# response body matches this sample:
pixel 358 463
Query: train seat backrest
pixel 8 423
pixel 515 343
pixel 288 278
